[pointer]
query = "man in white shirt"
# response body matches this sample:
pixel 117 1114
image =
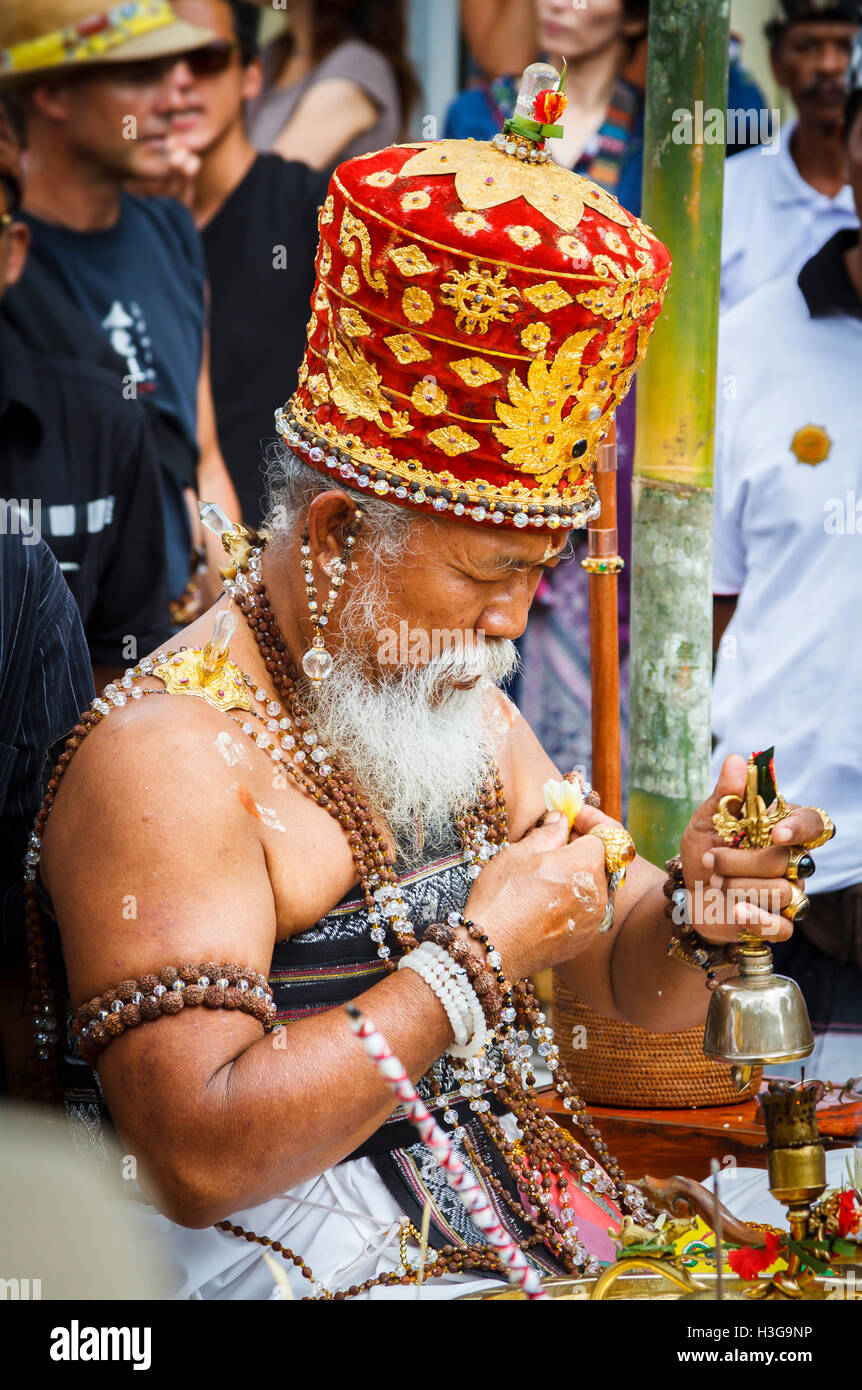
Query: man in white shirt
pixel 788 584
pixel 785 199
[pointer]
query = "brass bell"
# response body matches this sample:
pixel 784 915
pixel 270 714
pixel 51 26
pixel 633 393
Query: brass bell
pixel 756 1016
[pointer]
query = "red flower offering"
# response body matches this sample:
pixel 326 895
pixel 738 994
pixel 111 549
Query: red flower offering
pixel 549 106
pixel 751 1261
pixel 848 1214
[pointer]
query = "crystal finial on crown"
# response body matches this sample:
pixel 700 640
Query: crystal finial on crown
pixel 538 77
pixel 215 520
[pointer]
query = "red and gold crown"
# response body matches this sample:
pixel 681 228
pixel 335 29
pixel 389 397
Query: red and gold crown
pixel 478 315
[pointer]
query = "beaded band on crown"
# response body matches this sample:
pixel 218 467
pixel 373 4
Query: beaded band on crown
pixel 362 468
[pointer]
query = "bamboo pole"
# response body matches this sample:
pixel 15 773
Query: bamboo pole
pixel 602 564
pixel 671 621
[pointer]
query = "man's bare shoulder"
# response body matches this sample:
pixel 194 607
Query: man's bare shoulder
pixel 156 762
pixel 167 800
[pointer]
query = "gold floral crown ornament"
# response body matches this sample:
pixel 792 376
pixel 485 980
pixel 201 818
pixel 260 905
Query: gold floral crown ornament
pixel 478 315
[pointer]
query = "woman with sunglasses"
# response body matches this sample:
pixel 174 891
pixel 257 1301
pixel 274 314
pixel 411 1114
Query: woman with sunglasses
pixel 337 82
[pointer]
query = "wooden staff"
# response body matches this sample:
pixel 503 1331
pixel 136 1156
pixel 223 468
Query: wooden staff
pixel 603 564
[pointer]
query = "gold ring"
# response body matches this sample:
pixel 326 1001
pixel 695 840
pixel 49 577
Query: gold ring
pixel 799 906
pixel 827 832
pixel 799 865
pixel 619 846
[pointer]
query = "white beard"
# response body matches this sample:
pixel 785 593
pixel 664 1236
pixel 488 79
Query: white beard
pixel 417 747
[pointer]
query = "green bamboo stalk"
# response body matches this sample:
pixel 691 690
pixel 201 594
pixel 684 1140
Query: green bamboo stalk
pixel 671 621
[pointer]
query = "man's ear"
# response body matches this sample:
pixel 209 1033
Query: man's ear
pixel 16 258
pixel 252 80
pixel 52 100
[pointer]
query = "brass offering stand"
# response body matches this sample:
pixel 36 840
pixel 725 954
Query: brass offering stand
pixel 649 1268
pixel 814 1248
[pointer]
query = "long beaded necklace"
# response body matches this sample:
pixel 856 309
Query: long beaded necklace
pixel 544 1154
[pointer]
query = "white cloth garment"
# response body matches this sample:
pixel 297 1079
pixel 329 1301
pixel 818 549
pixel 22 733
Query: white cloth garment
pixel 773 220
pixel 788 541
pixel 344 1224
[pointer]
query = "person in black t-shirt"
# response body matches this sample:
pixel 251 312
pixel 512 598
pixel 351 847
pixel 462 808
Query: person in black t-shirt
pixel 258 217
pixel 78 466
pixel 95 116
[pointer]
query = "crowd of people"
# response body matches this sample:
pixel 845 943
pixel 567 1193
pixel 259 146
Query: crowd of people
pixel 164 178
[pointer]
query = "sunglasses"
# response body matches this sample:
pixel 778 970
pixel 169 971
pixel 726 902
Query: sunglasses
pixel 208 61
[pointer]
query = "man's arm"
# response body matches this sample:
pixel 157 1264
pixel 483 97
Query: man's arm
pixel 723 609
pixel 626 973
pixel 220 1116
pixel 214 481
pixel 501 34
pixel 131 614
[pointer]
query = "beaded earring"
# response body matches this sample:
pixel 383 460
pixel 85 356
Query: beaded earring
pixel 317 661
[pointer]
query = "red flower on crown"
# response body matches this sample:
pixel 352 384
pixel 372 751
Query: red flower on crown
pixel 549 106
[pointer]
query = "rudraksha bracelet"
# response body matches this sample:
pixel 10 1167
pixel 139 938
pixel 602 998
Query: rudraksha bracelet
pixel 169 991
pixel 489 982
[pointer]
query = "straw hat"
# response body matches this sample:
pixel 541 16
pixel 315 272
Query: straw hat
pixel 38 37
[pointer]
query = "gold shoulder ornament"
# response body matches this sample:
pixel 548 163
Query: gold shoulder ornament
pixel 208 673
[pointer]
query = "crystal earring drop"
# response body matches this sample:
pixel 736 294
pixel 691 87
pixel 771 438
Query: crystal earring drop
pixel 317 661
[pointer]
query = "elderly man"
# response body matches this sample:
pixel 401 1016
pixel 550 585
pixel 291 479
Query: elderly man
pixel 324 810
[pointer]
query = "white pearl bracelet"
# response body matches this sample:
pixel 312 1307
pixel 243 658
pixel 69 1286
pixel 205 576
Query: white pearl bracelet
pixel 478 1035
pixel 441 981
pixel 450 983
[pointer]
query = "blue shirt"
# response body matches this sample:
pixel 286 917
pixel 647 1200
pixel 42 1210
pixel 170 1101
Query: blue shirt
pixel 142 283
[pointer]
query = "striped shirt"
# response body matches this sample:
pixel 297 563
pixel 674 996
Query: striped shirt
pixel 45 681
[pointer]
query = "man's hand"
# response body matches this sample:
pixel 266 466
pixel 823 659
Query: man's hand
pixel 541 900
pixel 718 876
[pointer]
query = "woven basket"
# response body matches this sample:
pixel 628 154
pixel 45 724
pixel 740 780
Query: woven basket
pixel 627 1066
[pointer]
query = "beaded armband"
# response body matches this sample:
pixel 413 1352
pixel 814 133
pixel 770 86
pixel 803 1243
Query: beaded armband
pixel 173 989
